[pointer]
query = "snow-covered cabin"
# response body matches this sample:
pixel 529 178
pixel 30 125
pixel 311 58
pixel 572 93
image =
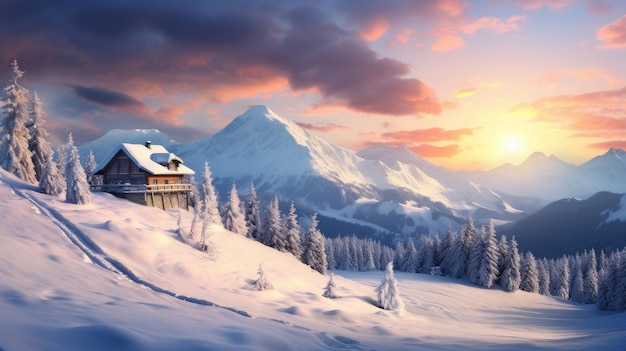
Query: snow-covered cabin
pixel 147 174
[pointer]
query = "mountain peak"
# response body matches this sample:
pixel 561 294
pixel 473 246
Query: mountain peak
pixel 261 111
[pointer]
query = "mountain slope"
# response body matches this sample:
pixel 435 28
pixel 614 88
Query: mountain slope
pixel 571 225
pixel 170 296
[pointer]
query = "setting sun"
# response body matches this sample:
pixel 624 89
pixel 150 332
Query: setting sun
pixel 513 145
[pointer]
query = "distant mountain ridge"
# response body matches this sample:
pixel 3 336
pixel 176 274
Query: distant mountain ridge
pixel 572 225
pixel 382 187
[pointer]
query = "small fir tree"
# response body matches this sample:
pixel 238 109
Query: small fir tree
pixel 273 228
pixel 38 145
pixel 90 166
pixel 510 278
pixel 77 188
pixel 293 233
pixel 262 283
pixel 253 215
pixel 330 290
pixel 233 217
pixel 51 182
pixel 529 274
pixel 314 253
pixel 387 292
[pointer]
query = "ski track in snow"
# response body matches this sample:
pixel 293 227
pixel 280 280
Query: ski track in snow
pixel 98 256
pixel 94 253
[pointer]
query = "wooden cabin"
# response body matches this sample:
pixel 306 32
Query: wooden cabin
pixel 146 174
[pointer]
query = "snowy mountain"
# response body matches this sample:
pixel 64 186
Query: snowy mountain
pixel 103 145
pixel 573 225
pixel 382 186
pixel 112 275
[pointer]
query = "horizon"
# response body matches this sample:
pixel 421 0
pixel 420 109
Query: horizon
pixel 468 85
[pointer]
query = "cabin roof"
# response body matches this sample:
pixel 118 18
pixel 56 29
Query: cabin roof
pixel 149 159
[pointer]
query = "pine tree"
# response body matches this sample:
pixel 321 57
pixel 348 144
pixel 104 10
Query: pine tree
pixel 590 282
pixel 330 290
pixel 233 218
pixel 209 212
pixel 15 157
pixel 563 286
pixel 455 260
pixel 426 255
pixel 387 292
pixel 529 274
pixel 449 241
pixel 544 277
pixel 90 166
pixel 253 215
pixel 262 283
pixel 488 271
pixel 273 229
pixel 503 248
pixel 314 254
pixel 62 159
pixel 510 278
pixel 410 259
pixel 51 182
pixel 38 145
pixel 77 188
pixel 466 241
pixel 293 233
pixel 476 255
pixel 576 287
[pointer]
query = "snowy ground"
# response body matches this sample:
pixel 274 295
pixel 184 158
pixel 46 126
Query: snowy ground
pixel 113 275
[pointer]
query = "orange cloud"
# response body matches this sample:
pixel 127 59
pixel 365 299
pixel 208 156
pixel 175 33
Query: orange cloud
pixel 494 25
pixel 599 114
pixel 425 135
pixel 427 150
pixel 375 29
pixel 448 43
pixel 585 74
pixel 402 37
pixel 325 128
pixel 613 34
pixel 617 144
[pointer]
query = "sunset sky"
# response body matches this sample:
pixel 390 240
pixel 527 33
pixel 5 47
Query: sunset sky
pixel 466 84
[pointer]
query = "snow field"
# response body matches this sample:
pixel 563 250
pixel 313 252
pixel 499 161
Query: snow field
pixel 50 290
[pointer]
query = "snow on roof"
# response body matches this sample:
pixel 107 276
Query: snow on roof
pixel 150 159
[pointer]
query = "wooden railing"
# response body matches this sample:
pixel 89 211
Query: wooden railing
pixel 140 188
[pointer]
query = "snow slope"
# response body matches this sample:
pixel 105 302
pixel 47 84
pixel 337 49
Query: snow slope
pixel 113 275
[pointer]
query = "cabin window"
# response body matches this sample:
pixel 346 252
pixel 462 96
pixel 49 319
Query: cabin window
pixel 155 181
pixel 167 181
pixel 123 165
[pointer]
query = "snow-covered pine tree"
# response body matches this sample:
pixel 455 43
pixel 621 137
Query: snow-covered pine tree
pixel 398 253
pixel 209 211
pixel 368 254
pixel 563 287
pixel 61 160
pixel 529 273
pixel 576 287
pixel 410 259
pixel 447 246
pixel 466 241
pixel 273 228
pixel 90 166
pixel 262 283
pixel 77 189
pixel 387 293
pixel 426 254
pixel 314 254
pixel 51 182
pixel 293 233
pixel 510 278
pixel 455 259
pixel 253 215
pixel 503 248
pixel 488 271
pixel 590 279
pixel 39 147
pixel 15 157
pixel 233 218
pixel 330 253
pixel 330 290
pixel 476 255
pixel 544 277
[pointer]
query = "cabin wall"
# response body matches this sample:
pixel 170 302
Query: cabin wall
pixel 165 179
pixel 122 170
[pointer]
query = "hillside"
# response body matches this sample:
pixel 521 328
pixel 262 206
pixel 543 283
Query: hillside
pixel 113 275
pixel 572 225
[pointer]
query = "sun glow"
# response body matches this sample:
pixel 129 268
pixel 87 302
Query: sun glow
pixel 513 145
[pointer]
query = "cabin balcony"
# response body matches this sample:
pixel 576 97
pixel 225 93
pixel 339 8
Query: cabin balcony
pixel 140 188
